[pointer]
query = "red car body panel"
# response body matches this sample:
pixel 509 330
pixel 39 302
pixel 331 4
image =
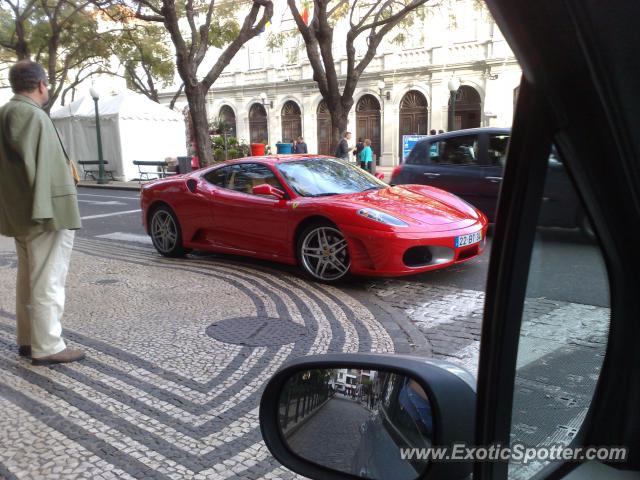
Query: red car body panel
pixel 221 220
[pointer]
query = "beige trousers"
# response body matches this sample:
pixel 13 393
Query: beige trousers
pixel 43 263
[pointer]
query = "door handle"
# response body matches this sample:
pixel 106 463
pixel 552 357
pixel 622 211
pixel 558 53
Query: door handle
pixel 494 179
pixel 431 175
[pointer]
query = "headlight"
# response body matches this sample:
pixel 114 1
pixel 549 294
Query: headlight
pixel 381 217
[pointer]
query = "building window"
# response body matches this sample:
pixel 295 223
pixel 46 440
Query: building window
pixel 256 56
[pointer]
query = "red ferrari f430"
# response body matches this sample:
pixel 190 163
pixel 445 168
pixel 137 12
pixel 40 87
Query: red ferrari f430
pixel 331 218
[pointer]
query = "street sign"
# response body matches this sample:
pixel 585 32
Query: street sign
pixel 408 142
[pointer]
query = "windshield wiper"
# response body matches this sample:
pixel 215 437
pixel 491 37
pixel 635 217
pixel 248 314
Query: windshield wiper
pixel 327 194
pixel 375 187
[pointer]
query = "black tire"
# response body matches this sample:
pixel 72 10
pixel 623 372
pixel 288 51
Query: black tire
pixel 165 232
pixel 333 261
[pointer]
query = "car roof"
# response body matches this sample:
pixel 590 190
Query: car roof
pixel 275 159
pixel 468 131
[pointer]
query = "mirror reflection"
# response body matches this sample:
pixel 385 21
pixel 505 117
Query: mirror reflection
pixel 357 421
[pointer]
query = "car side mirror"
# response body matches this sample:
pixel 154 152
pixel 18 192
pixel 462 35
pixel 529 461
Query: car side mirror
pixel 369 416
pixel 266 189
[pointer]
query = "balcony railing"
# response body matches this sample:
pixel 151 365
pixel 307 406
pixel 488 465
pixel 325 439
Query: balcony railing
pixel 387 61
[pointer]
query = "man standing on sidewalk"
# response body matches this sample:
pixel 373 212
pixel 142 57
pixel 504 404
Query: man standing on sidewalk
pixel 39 208
pixel 343 149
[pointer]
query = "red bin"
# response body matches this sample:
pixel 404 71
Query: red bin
pixel 257 149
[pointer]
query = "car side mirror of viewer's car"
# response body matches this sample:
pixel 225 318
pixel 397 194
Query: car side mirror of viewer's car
pixel 372 416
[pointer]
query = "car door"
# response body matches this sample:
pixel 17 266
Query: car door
pixel 492 172
pixel 201 213
pixel 456 165
pixel 416 165
pixel 553 339
pixel 593 120
pixel 251 223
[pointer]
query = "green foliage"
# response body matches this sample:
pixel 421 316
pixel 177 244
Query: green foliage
pixel 142 50
pixel 65 33
pixel 235 148
pixel 224 29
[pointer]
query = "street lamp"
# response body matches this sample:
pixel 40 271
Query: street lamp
pixel 453 85
pixel 101 178
pixel 263 99
pixel 267 104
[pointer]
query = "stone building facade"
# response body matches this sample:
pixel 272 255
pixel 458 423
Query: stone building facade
pixel 268 94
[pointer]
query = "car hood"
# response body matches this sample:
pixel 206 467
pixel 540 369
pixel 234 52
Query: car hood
pixel 419 205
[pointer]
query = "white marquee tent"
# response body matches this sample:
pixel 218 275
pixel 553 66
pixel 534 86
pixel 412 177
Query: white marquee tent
pixel 132 128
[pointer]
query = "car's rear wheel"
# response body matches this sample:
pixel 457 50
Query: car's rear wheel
pixel 165 233
pixel 323 253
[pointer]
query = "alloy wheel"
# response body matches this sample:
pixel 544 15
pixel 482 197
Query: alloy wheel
pixel 324 254
pixel 164 231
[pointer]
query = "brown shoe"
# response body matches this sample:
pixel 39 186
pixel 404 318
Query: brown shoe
pixel 24 351
pixel 65 356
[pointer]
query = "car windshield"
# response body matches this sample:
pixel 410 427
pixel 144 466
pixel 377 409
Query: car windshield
pixel 318 177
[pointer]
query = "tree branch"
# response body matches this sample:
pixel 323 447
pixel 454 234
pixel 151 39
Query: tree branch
pixel 249 30
pixel 312 47
pixel 176 96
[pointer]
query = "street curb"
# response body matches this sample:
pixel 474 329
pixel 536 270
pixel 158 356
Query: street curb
pixel 110 187
pixel 418 341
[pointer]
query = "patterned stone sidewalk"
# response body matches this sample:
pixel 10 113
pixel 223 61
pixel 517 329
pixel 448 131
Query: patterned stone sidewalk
pixel 451 320
pixel 178 354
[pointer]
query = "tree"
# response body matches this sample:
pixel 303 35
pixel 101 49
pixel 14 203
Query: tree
pixel 62 35
pixel 368 19
pixel 192 43
pixel 147 61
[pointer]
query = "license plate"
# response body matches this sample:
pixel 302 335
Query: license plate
pixel 469 239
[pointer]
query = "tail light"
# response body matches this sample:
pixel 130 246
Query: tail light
pixel 396 171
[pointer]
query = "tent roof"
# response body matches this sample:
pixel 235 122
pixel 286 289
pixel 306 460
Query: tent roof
pixel 128 105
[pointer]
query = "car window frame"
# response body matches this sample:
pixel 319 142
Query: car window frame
pixel 241 164
pixel 507 280
pixel 213 170
pixel 481 159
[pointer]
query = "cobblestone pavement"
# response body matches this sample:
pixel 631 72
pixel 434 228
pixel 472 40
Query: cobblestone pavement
pixel 561 350
pixel 178 354
pixel 451 320
pixel 340 420
pixel 179 350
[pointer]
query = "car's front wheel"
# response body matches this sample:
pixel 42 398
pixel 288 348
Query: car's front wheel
pixel 165 233
pixel 323 253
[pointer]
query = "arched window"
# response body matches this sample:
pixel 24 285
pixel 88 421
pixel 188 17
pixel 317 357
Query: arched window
pixel 414 115
pixel 228 116
pixel 468 110
pixel 291 122
pixel 258 131
pixel 324 130
pixel 368 122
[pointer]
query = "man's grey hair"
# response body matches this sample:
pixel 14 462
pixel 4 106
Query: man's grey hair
pixel 25 75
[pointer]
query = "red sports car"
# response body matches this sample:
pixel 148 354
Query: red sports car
pixel 329 217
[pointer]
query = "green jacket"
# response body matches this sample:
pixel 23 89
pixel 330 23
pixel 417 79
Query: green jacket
pixel 37 191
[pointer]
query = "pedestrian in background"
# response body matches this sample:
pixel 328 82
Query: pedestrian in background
pixel 300 146
pixel 432 132
pixel 39 209
pixel 366 156
pixel 358 150
pixel 342 150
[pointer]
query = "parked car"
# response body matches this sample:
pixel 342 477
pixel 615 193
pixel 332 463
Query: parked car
pixel 470 163
pixel 579 92
pixel 331 218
